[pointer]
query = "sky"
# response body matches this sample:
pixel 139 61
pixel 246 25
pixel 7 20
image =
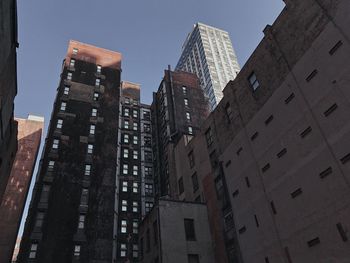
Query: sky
pixel 148 33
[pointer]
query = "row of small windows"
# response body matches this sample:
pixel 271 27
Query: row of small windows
pixel 124 206
pixel 97 80
pixel 66 91
pixel 124 250
pixel 134 126
pixel 127 136
pixel 135 113
pixel 135 169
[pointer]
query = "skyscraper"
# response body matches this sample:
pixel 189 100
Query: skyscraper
pixel 71 216
pixel 208 52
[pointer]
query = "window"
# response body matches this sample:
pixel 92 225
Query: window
pixel 148 241
pixel 191 159
pixel 135 187
pixel 135 154
pixel 92 129
pixel 135 126
pixel 125 153
pixel 96 96
pixel 242 230
pixel 141 246
pixel 87 169
pixel 148 171
pixel 289 98
pixel 69 76
pixel 123 226
pixel 186 102
pixel 188 116
pixel 135 207
pixel 189 229
pixel 256 221
pixel 51 165
pixel 247 182
pixel 312 75
pixel 193 258
pixel 135 251
pixel 149 189
pixel 124 205
pixel 209 137
pixel 72 63
pixel 97 82
pixel 254 83
pixel 265 168
pixel 135 226
pixel 98 69
pixel 296 193
pixel 190 130
pixel 148 206
pixel 125 168
pixel 155 232
pixel 135 140
pixel 269 119
pixel 66 90
pixel 135 170
pixel 44 197
pixel 126 112
pixel 127 101
pixel 313 242
pixel 39 219
pixel 134 113
pixel 195 182
pixel 126 138
pixel 184 90
pixel 335 47
pixel 305 132
pixel 342 232
pixel 146 127
pixel 75 51
pixel 228 111
pixel 55 144
pixel 181 185
pixel 123 250
pixel 282 152
pixel 33 249
pixel 126 124
pixel 330 110
pixel 81 223
pixel 84 197
pixel 326 172
pixel 274 211
pixel 94 112
pixel 90 149
pixel 63 106
pixel 125 186
pixel 254 136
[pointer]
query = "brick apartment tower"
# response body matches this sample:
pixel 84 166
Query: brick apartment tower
pixel 72 209
pixel 134 174
pixel 12 206
pixel 179 108
pixel 8 89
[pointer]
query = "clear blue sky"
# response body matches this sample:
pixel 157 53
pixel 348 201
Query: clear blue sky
pixel 149 34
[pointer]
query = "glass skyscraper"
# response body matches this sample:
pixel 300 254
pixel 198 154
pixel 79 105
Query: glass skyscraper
pixel 208 52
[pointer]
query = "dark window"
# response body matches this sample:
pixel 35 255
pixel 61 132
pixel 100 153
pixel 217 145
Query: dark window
pixel 181 185
pixel 242 230
pixel 195 182
pixel 209 137
pixel 335 47
pixel 267 260
pixel 289 98
pixel 342 232
pixel 141 247
pixel 193 258
pixel 189 229
pixel 198 199
pixel 191 159
pixel 254 83
pixel 269 119
pixel 229 113
pixel 235 193
pixel 155 232
pixel 254 136
pixel 330 109
pixel 239 150
pixel 313 242
pixel 296 193
pixel 281 153
pixel 148 241
pixel 305 132
pixel 247 181
pixel 288 255
pixel 345 159
pixel 273 207
pixel 227 164
pixel 312 75
pixel 265 168
pixel 256 221
pixel 326 172
pixel 39 219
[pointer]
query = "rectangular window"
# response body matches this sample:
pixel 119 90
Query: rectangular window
pixel 96 96
pixel 135 207
pixel 190 130
pixel 51 165
pixel 126 124
pixel 123 226
pixel 98 69
pixel 193 258
pixel 189 229
pixel 135 155
pixel 191 159
pixel 186 102
pixel 94 112
pixel 81 223
pixel 84 197
pixel 135 114
pixel 135 187
pixel 39 219
pixel 66 90
pixel 122 250
pixel 63 106
pixel 125 168
pixel 228 111
pixel 330 110
pixel 72 63
pixel 312 75
pixel 254 83
pixel 92 129
pixel 90 148
pixel 125 186
pixel 55 144
pixel 33 250
pixel 44 197
pixel 126 112
pixel 135 126
pixel 181 185
pixel 126 153
pixel 135 170
pixel 135 226
pixel 69 76
pixel 155 232
pixel 335 47
pixel 188 116
pixel 149 189
pixel 209 137
pixel 148 241
pixel 148 206
pixel 305 132
pixel 135 251
pixel 135 140
pixel 148 171
pixel 313 242
pixel 296 193
pixel 326 172
pixel 75 51
pixel 124 205
pixel 126 138
pixel 195 182
pixel 289 98
pixel 97 82
pixel 184 90
pixel 342 232
pixel 87 169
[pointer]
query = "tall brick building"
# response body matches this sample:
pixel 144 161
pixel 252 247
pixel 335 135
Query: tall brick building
pixel 71 216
